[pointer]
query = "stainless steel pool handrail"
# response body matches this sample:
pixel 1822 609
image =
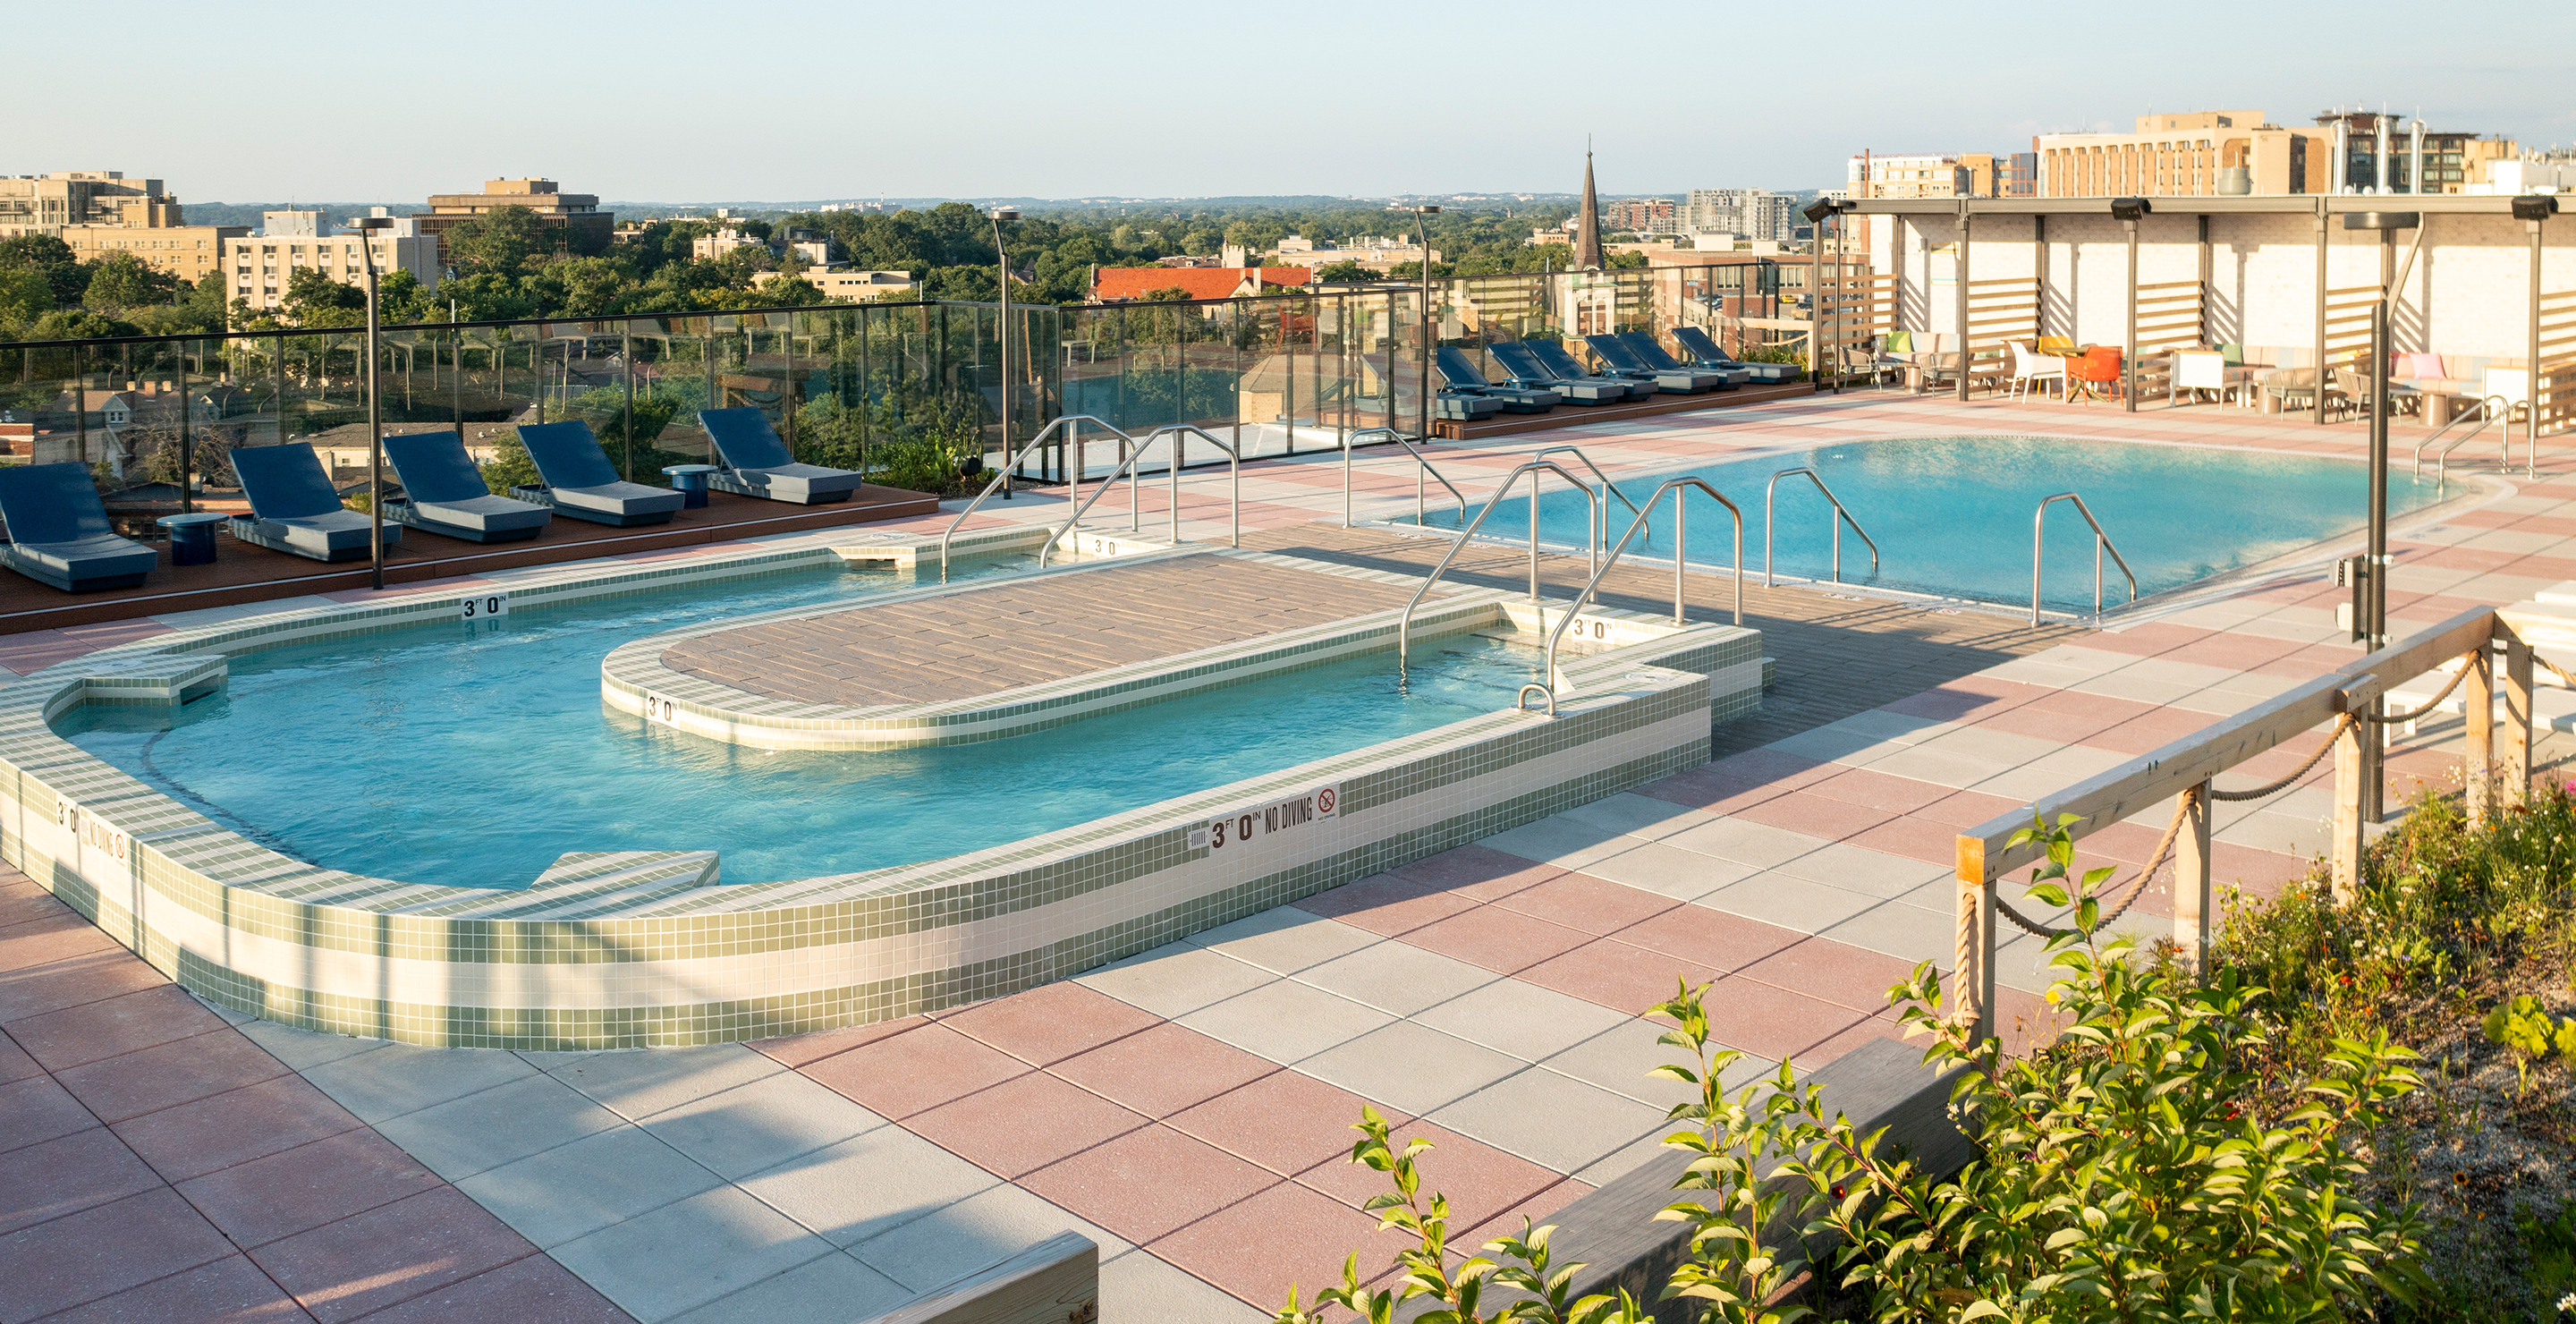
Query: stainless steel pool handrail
pixel 1577 452
pixel 1234 473
pixel 1404 623
pixel 1071 496
pixel 1842 517
pixel 2490 410
pixel 1672 485
pixel 1423 466
pixel 1132 465
pixel 2101 542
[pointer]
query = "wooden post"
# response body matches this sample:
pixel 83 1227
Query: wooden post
pixel 2192 893
pixel 2477 750
pixel 1972 977
pixel 2350 768
pixel 2515 774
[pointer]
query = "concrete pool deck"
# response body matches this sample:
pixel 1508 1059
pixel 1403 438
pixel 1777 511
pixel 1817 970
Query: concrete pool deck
pixel 1185 1107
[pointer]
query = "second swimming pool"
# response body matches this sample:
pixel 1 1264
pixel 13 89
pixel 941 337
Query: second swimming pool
pixel 1952 515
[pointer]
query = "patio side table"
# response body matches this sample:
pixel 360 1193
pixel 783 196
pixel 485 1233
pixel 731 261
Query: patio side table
pixel 192 537
pixel 690 480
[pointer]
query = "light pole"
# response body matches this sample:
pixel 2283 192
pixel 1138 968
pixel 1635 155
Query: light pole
pixel 1003 334
pixel 1820 214
pixel 368 228
pixel 1422 394
pixel 2370 612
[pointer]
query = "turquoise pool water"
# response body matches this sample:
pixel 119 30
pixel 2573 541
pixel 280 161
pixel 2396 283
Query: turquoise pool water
pixel 1952 515
pixel 473 755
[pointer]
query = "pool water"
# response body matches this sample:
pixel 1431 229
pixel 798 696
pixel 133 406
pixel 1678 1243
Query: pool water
pixel 474 755
pixel 1952 515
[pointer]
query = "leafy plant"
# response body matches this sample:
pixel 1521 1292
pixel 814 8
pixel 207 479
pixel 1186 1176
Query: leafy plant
pixel 1728 1268
pixel 2120 1173
pixel 1525 1267
pixel 2528 1031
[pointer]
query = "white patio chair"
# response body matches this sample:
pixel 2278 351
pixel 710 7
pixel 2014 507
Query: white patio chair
pixel 2030 366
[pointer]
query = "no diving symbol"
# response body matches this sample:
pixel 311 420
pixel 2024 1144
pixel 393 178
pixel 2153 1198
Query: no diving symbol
pixel 1324 801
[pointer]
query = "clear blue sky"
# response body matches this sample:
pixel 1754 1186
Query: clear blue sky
pixel 672 102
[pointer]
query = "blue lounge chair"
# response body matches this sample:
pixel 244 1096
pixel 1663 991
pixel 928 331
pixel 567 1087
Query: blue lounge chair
pixel 1464 377
pixel 576 479
pixel 757 464
pixel 1463 407
pixel 444 493
pixel 1677 380
pixel 294 509
pixel 1551 355
pixel 58 531
pixel 1705 352
pixel 1643 348
pixel 1527 371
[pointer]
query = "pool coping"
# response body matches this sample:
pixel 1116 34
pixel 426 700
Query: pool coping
pixel 643 948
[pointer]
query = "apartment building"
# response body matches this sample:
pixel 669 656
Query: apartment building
pixel 2200 154
pixel 1757 214
pixel 1641 216
pixel 100 212
pixel 260 266
pixel 585 228
pixel 1956 175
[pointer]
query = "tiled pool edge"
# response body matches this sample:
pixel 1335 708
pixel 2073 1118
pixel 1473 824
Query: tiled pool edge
pixel 592 963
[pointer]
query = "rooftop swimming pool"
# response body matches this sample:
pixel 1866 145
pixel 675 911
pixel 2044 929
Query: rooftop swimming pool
pixel 1952 515
pixel 473 755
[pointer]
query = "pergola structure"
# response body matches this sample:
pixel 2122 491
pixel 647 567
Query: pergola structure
pixel 2479 290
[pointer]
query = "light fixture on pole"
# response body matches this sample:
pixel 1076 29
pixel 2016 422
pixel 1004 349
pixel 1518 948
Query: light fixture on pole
pixel 2128 212
pixel 368 228
pixel 1002 334
pixel 1422 240
pixel 2370 578
pixel 1820 214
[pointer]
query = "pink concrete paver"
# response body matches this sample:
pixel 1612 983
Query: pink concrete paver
pixel 157 1165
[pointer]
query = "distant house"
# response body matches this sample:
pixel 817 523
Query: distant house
pixel 1124 284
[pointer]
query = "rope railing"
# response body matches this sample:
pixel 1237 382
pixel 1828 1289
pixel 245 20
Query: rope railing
pixel 2491 650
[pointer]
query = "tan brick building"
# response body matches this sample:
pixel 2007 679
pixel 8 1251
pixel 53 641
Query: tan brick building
pixel 2186 156
pixel 100 212
pixel 586 227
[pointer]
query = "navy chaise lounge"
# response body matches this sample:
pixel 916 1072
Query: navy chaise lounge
pixel 1551 355
pixel 755 463
pixel 1463 376
pixel 576 479
pixel 1705 352
pixel 59 534
pixel 444 493
pixel 1623 361
pixel 294 509
pixel 1526 370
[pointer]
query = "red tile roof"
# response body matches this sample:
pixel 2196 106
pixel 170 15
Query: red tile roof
pixel 1201 282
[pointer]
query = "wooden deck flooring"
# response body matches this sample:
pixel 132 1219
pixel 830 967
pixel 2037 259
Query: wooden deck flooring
pixel 1025 631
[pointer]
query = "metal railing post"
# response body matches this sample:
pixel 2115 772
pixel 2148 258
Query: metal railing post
pixel 1840 517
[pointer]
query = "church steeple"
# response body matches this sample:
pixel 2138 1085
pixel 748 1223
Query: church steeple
pixel 1587 222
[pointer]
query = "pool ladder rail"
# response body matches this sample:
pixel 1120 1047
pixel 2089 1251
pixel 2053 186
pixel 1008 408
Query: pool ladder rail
pixel 1422 466
pixel 1841 517
pixel 1678 489
pixel 1530 468
pixel 2493 409
pixel 1131 465
pixel 1134 452
pixel 2101 543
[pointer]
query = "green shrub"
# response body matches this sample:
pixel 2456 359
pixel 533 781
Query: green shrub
pixel 510 466
pixel 2124 1172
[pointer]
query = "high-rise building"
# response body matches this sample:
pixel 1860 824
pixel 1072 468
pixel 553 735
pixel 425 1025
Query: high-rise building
pixel 1752 212
pixel 2199 154
pixel 99 212
pixel 583 226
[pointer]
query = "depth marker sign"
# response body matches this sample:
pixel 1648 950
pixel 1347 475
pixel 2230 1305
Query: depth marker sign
pixel 1288 815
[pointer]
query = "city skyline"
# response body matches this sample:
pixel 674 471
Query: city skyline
pixel 1012 101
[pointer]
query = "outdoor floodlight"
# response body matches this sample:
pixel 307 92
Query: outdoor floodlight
pixel 2534 207
pixel 2383 220
pixel 2130 209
